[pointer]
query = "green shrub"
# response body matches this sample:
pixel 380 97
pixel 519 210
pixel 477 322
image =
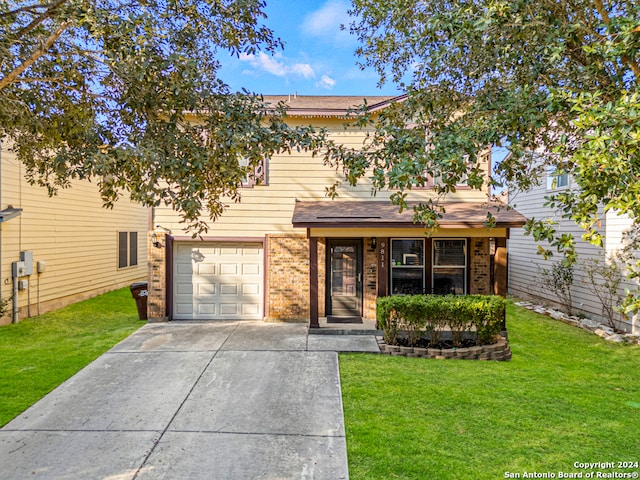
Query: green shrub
pixel 415 314
pixel 488 315
pixel 459 319
pixel 387 319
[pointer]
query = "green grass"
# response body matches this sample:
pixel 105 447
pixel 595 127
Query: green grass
pixel 567 396
pixel 38 354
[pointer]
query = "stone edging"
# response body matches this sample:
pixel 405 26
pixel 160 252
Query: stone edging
pixel 498 351
pixel 603 331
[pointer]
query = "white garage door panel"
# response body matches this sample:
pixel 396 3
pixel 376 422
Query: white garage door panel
pixel 218 280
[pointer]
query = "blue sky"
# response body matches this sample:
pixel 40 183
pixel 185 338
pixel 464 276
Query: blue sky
pixel 318 58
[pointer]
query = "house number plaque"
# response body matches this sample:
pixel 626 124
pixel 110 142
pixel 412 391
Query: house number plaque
pixel 382 266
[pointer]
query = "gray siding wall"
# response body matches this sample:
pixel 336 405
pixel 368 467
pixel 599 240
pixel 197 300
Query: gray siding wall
pixel 525 263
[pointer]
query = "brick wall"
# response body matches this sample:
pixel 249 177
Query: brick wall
pixel 480 268
pixel 157 300
pixel 288 277
pixel 370 286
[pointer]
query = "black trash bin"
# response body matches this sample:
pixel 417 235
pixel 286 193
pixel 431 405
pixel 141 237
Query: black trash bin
pixel 140 292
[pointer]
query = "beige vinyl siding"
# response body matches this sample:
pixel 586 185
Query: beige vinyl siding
pixel 525 263
pixel 266 209
pixel 72 233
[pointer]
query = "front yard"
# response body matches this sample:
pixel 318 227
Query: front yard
pixel 567 396
pixel 38 354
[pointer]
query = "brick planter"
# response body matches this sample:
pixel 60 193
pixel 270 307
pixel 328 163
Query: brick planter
pixel 498 351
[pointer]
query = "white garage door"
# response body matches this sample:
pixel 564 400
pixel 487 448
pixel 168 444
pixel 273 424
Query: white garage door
pixel 217 281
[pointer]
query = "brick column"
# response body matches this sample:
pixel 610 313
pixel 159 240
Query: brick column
pixel 157 256
pixel 480 270
pixel 370 287
pixel 288 282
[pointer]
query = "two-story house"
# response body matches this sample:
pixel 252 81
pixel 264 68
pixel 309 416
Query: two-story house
pixel 287 252
pixel 59 250
pixel 525 265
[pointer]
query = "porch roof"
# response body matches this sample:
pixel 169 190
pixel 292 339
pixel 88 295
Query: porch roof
pixel 381 214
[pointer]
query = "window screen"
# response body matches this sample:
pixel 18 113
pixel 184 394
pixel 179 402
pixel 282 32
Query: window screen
pixel 449 266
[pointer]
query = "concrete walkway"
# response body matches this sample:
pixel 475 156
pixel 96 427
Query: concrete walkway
pixel 230 400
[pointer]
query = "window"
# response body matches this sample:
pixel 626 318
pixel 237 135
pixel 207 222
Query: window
pixel 127 249
pixel 463 180
pixel 407 266
pixel 556 180
pixel 257 177
pixel 450 266
pixel 437 180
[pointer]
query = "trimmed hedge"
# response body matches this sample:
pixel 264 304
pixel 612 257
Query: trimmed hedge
pixel 431 314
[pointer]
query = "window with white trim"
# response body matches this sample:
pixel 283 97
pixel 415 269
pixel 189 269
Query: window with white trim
pixel 556 180
pixel 464 179
pixel 127 249
pixel 462 182
pixel 449 268
pixel 258 176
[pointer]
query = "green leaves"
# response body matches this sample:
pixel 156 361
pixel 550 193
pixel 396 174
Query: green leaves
pixel 129 94
pixel 433 313
pixel 557 83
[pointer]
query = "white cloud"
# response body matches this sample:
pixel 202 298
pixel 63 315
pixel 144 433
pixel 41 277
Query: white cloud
pixel 326 82
pixel 325 22
pixel 276 65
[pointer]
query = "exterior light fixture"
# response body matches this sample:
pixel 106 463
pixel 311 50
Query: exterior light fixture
pixel 155 242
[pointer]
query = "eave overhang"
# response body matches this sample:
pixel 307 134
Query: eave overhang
pixel 9 213
pixel 377 214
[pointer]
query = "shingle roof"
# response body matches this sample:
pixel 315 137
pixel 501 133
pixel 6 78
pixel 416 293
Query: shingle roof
pixel 350 214
pixel 328 105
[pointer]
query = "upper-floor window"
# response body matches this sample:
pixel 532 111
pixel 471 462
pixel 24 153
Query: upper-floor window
pixel 258 176
pixel 556 180
pixel 437 178
pixel 462 181
pixel 127 249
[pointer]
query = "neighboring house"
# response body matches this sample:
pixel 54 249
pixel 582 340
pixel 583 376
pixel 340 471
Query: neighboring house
pixel 73 248
pixel 287 252
pixel 525 264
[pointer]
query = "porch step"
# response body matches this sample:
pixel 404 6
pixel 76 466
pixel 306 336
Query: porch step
pixel 343 331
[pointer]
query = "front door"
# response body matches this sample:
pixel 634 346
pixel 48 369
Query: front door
pixel 344 281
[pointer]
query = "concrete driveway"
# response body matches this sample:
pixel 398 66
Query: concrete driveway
pixel 224 400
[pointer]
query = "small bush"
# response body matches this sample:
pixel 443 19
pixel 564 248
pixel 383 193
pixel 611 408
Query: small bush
pixel 431 314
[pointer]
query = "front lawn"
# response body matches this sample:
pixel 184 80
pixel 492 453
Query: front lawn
pixel 38 354
pixel 567 396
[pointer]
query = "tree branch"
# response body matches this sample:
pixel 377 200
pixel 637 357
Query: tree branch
pixel 26 8
pixel 13 76
pixel 38 20
pixel 635 68
pixel 65 86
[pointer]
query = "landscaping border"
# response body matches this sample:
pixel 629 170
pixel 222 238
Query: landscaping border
pixel 599 329
pixel 499 351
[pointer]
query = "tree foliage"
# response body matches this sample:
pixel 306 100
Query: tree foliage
pixel 556 80
pixel 556 76
pixel 127 94
pixel 553 76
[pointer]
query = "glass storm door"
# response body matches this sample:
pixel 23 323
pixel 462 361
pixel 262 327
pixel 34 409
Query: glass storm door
pixel 345 278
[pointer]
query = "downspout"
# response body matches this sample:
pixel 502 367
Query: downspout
pixel 14 295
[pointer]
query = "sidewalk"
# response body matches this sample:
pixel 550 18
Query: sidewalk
pixel 228 400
